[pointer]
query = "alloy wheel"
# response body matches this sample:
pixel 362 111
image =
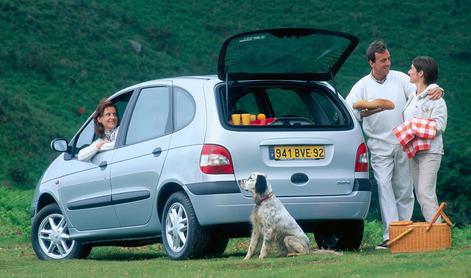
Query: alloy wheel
pixel 176 227
pixel 53 236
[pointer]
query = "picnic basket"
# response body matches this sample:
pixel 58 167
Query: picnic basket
pixel 408 236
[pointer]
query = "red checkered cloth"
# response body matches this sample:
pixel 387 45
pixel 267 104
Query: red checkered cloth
pixel 415 135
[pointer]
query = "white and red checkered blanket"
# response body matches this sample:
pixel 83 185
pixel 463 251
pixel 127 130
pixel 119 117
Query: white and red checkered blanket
pixel 415 135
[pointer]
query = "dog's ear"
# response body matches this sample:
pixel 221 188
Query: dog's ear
pixel 261 184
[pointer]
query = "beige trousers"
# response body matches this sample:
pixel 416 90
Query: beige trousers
pixel 424 168
pixel 395 191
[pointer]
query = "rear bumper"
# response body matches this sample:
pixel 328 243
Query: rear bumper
pixel 221 208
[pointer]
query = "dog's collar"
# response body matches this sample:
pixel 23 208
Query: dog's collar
pixel 259 201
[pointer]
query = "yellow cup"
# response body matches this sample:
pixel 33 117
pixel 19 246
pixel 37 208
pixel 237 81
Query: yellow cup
pixel 235 119
pixel 245 119
pixel 253 117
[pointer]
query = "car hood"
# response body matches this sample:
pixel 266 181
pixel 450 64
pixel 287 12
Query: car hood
pixel 285 54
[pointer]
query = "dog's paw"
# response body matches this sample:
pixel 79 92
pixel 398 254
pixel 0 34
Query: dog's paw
pixel 327 252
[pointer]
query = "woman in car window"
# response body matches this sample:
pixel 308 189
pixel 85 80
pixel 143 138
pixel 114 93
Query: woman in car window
pixel 106 128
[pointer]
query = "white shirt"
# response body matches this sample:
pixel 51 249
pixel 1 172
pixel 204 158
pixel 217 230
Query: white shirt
pixel 88 152
pixel 395 88
pixel 420 106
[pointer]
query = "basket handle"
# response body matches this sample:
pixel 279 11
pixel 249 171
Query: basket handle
pixel 447 220
pixel 435 217
pixel 403 234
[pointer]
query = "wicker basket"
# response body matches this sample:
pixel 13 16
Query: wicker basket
pixel 408 236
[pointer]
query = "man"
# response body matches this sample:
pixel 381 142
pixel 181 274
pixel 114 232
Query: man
pixel 389 162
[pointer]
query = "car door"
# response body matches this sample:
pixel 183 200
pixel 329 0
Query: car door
pixel 85 189
pixel 84 186
pixel 137 164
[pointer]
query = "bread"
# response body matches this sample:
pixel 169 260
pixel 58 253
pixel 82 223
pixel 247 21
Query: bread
pixel 373 104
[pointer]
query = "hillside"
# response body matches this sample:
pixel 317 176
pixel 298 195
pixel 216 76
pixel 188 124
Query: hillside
pixel 58 58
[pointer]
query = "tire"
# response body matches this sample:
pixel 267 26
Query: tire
pixel 217 244
pixel 340 235
pixel 50 236
pixel 182 235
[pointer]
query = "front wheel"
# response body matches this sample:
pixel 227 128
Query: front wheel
pixel 182 235
pixel 339 235
pixel 50 236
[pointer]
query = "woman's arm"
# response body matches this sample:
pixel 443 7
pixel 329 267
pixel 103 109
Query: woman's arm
pixel 107 146
pixel 440 115
pixel 88 152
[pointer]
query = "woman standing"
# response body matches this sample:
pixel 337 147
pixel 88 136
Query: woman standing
pixel 106 128
pixel 425 164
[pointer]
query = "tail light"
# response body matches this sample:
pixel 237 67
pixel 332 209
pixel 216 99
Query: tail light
pixel 361 161
pixel 216 159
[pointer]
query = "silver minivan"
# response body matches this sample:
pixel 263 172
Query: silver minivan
pixel 184 143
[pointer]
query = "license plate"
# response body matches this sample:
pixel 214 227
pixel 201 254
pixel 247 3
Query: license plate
pixel 296 152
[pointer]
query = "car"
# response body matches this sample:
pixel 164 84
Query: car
pixel 185 142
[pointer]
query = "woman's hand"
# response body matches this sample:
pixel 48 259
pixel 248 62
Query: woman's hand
pixel 98 146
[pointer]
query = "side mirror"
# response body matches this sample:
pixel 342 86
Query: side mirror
pixel 59 145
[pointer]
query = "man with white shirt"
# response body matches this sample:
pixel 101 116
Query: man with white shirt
pixel 388 160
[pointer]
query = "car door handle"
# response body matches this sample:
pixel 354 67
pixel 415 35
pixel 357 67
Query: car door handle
pixel 157 151
pixel 103 164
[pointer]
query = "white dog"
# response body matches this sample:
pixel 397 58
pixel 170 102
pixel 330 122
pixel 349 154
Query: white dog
pixel 271 221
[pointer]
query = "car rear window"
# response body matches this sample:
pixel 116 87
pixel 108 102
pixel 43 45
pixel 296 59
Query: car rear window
pixel 271 105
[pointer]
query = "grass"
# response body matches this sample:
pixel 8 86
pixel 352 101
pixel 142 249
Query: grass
pixel 17 258
pixel 151 261
pixel 15 221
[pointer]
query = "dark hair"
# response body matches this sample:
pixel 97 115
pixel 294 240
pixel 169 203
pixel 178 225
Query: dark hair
pixel 375 47
pixel 99 128
pixel 429 68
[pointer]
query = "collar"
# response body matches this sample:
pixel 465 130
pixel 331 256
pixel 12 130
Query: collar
pixel 260 200
pixel 378 81
pixel 110 135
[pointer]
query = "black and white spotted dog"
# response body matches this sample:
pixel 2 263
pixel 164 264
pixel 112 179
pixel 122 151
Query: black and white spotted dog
pixel 271 221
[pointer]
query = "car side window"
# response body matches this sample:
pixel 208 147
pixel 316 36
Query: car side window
pixel 151 115
pixel 86 137
pixel 184 106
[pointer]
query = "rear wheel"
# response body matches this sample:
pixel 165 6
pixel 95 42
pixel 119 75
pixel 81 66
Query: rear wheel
pixel 217 244
pixel 182 235
pixel 339 235
pixel 50 236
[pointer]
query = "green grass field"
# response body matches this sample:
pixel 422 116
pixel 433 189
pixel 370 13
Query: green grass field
pixel 17 258
pixel 150 261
